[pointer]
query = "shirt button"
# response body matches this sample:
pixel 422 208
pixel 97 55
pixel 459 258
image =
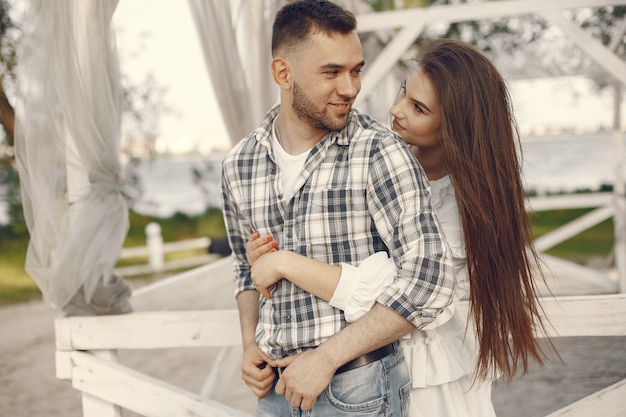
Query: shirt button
pixel 288 317
pixel 289 234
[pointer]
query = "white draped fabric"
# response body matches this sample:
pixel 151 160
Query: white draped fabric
pixel 235 37
pixel 67 150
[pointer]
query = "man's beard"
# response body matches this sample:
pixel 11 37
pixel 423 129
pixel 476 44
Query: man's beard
pixel 305 109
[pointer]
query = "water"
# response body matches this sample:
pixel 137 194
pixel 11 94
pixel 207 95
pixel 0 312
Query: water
pixel 169 185
pixel 569 162
pixel 557 163
pixel 551 164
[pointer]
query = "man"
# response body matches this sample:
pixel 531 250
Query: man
pixel 334 185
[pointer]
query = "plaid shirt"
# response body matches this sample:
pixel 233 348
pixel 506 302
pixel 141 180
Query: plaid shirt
pixel 361 191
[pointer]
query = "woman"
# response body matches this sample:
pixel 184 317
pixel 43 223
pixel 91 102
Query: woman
pixel 455 113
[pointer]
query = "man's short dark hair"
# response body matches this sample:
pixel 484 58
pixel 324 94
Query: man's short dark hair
pixel 297 20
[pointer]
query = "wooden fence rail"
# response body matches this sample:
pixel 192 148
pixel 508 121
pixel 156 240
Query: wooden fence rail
pixel 105 383
pixel 155 251
pixel 87 346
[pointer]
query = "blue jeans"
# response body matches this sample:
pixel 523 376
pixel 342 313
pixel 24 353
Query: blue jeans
pixel 379 389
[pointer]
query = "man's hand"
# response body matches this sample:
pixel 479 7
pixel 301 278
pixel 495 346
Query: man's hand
pixel 256 372
pixel 305 377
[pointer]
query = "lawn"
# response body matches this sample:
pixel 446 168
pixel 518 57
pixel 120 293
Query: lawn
pixel 17 286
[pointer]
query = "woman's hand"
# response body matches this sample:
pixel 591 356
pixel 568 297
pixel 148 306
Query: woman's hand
pixel 258 246
pixel 264 272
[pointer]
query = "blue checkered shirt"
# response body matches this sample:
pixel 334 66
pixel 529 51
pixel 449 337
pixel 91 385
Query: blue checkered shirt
pixel 360 192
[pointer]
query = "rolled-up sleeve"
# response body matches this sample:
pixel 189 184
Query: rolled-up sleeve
pixel 399 202
pixel 235 226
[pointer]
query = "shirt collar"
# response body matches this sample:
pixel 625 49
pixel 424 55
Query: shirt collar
pixel 263 133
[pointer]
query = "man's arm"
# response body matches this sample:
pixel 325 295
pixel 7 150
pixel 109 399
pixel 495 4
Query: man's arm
pixel 310 372
pixel 254 370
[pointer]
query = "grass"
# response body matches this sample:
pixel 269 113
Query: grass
pixel 596 242
pixel 17 286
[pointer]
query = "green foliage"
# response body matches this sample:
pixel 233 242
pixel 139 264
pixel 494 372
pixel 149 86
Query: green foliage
pixel 180 226
pixel 17 286
pixel 380 5
pixel 601 22
pixel 10 193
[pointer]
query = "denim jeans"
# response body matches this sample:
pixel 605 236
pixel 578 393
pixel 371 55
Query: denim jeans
pixel 381 388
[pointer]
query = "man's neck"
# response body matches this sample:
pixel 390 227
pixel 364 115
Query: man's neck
pixel 296 137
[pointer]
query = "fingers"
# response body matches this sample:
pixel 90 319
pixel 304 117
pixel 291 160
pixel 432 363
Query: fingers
pixel 264 291
pixel 281 387
pixel 258 246
pixel 255 372
pixel 284 362
pixel 260 383
pixel 259 378
pixel 307 404
pixel 295 399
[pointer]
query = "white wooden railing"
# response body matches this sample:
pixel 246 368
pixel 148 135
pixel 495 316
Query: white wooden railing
pixel 87 349
pixel 155 250
pixel 605 206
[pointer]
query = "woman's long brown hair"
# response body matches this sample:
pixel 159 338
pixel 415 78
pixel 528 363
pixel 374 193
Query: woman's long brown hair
pixel 481 143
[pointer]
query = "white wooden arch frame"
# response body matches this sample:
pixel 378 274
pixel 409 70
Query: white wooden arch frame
pixel 410 23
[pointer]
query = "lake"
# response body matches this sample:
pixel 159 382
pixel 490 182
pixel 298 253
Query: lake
pixel 552 164
pixel 565 162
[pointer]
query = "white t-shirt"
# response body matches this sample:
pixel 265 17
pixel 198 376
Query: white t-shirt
pixel 290 166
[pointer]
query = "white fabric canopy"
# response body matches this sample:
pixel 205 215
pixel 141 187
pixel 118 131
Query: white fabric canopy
pixel 67 150
pixel 235 37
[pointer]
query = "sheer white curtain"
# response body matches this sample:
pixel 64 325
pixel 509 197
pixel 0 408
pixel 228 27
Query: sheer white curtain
pixel 235 37
pixel 67 148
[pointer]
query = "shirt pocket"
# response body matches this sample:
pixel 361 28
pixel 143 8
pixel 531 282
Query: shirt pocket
pixel 335 221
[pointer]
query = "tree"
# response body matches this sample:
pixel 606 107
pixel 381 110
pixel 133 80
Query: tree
pixel 9 38
pixel 524 40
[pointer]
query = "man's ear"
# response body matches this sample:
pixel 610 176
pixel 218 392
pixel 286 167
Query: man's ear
pixel 282 72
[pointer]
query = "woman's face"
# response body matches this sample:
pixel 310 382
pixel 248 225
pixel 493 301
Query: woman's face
pixel 416 114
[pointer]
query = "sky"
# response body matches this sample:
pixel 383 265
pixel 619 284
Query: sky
pixel 159 36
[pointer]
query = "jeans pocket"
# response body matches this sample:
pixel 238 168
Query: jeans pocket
pixel 405 398
pixel 361 391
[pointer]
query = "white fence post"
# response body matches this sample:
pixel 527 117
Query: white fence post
pixel 155 247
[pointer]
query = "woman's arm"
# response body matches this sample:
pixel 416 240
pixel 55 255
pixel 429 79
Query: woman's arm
pixel 312 276
pixel 346 287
